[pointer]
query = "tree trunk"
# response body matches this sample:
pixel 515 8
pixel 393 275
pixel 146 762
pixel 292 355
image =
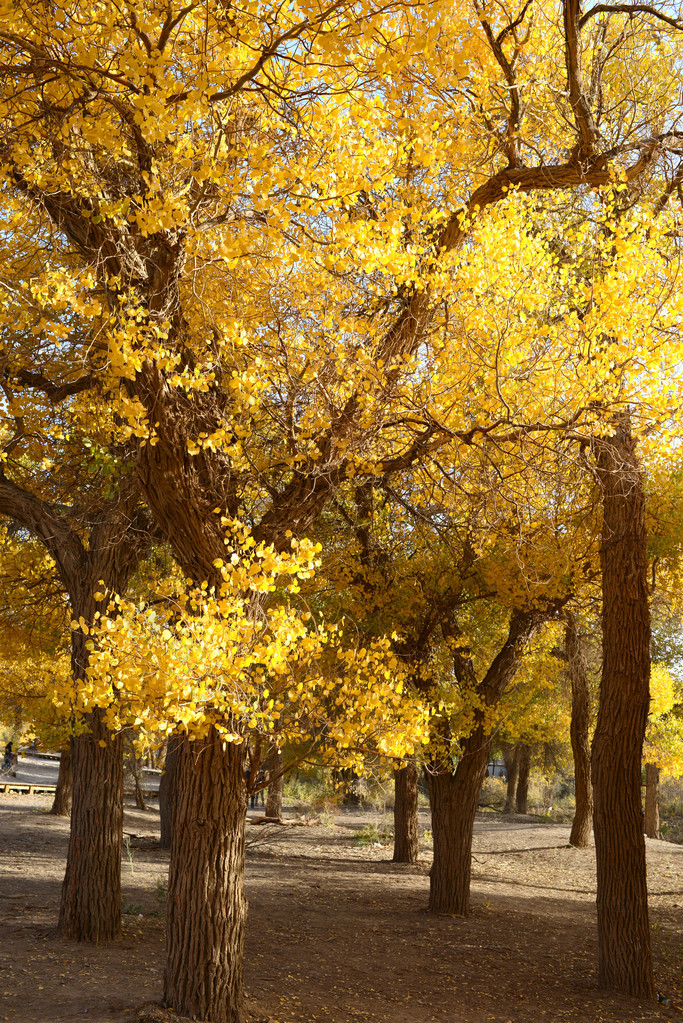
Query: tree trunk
pixel 274 800
pixel 454 798
pixel 511 758
pixel 103 557
pixel 652 801
pixel 523 778
pixel 167 790
pixel 136 770
pixel 623 926
pixel 346 782
pixel 61 806
pixel 579 733
pixel 206 904
pixel 406 841
pixel 91 894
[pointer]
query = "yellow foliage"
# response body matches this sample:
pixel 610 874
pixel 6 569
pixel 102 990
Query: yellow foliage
pixel 257 272
pixel 225 660
pixel 664 736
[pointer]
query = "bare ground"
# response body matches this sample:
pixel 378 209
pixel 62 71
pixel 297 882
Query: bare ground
pixel 337 932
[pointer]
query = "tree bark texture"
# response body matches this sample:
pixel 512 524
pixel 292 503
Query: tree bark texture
pixel 406 837
pixel 523 778
pixel 652 801
pixel 61 805
pixel 623 925
pixel 206 903
pixel 511 758
pixel 274 797
pixel 90 907
pixel 454 798
pixel 167 785
pixel 116 537
pixel 580 739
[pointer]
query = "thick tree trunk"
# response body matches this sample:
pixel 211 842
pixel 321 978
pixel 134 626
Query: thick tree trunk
pixel 274 799
pixel 167 790
pixel 103 558
pixel 406 838
pixel 61 806
pixel 206 904
pixel 623 925
pixel 454 798
pixel 90 908
pixel 579 733
pixel 523 778
pixel 91 894
pixel 511 758
pixel 652 801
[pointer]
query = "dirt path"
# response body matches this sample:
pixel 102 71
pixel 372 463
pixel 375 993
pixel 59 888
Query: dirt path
pixel 337 932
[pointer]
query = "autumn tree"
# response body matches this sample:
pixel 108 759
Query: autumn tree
pixel 35 651
pixel 535 718
pixel 663 749
pixel 580 730
pixel 462 571
pixel 264 263
pixel 61 488
pixel 91 906
pixel 215 669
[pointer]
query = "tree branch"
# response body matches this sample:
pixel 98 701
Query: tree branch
pixel 630 9
pixel 55 392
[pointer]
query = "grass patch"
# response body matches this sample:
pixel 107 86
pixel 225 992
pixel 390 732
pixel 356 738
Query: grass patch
pixel 373 835
pixel 131 909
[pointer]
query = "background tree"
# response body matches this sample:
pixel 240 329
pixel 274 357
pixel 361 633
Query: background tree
pixel 663 749
pixel 217 670
pixel 581 715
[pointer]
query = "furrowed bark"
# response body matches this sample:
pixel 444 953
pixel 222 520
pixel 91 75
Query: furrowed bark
pixel 167 790
pixel 652 801
pixel 206 904
pixel 454 799
pixel 61 805
pixel 454 796
pixel 580 740
pixel 275 789
pixel 623 925
pixel 90 908
pixel 406 837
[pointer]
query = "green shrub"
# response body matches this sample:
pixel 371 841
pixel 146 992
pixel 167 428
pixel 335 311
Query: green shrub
pixel 308 793
pixel 492 795
pixel 373 834
pixel 131 909
pixel 671 797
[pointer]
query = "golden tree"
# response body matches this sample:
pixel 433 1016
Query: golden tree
pixel 266 210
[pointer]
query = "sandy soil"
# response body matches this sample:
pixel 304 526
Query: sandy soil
pixel 337 932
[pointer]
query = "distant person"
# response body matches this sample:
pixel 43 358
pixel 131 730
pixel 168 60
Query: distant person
pixel 9 756
pixel 256 794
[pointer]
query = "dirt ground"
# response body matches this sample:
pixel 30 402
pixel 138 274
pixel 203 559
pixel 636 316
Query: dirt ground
pixel 336 932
